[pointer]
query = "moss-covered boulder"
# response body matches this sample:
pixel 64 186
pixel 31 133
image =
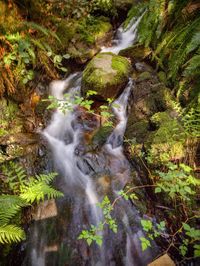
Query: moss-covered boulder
pixel 87 37
pixel 107 74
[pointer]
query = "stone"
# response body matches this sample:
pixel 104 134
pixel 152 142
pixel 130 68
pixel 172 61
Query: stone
pixel 136 53
pixel 164 260
pixel 107 74
pixel 44 210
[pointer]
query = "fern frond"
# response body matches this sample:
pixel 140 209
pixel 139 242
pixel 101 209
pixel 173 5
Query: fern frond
pixel 15 174
pixel 11 233
pixel 47 178
pixel 195 43
pixel 10 205
pixel 193 67
pixel 38 192
pixel 40 28
pixel 191 122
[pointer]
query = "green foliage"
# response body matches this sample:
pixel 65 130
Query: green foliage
pixel 10 205
pixel 27 191
pixel 178 182
pixel 11 233
pixel 191 239
pixel 21 54
pixel 15 177
pixel 152 232
pixel 175 46
pixel 135 12
pixel 94 234
pixel 37 188
pixel 69 102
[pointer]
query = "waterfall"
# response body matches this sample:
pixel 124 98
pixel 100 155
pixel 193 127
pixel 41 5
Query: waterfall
pixel 124 37
pixel 54 241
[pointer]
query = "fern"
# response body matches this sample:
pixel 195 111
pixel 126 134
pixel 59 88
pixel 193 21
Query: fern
pixel 16 176
pixel 192 67
pixel 11 233
pixel 35 26
pixel 191 121
pixel 28 190
pixel 10 205
pixel 38 191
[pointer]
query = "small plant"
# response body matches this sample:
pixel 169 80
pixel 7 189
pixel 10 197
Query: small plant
pixel 178 182
pixel 152 231
pixel 192 237
pixel 94 234
pixel 68 102
pixel 26 192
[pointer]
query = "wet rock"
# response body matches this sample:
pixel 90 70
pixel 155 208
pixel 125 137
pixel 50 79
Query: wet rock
pixel 152 124
pixel 136 53
pixel 45 210
pixel 143 67
pixel 107 74
pixel 101 136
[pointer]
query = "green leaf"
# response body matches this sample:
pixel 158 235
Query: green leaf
pixel 158 190
pixel 11 233
pixel 66 56
pixel 145 243
pixel 89 241
pixel 186 227
pixel 147 225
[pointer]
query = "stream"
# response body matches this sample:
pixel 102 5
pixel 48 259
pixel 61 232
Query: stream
pixel 85 177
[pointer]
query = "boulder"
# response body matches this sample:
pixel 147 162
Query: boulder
pixel 107 74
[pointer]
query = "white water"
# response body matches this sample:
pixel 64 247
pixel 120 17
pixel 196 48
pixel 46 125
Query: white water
pixel 64 153
pixel 124 37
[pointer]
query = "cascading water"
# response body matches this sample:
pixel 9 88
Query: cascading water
pixel 85 177
pixel 124 38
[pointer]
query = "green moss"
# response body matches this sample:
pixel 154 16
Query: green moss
pixel 144 76
pixel 121 64
pixel 167 142
pixel 136 53
pixel 66 31
pixel 91 29
pixel 107 74
pixel 138 130
pixel 9 121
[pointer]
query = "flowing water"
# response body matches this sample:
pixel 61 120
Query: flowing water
pixel 85 177
pixel 124 38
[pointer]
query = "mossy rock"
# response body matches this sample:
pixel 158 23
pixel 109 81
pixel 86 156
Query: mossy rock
pixel 136 53
pixel 167 142
pixel 87 37
pixel 107 74
pixel 138 130
pixel 144 76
